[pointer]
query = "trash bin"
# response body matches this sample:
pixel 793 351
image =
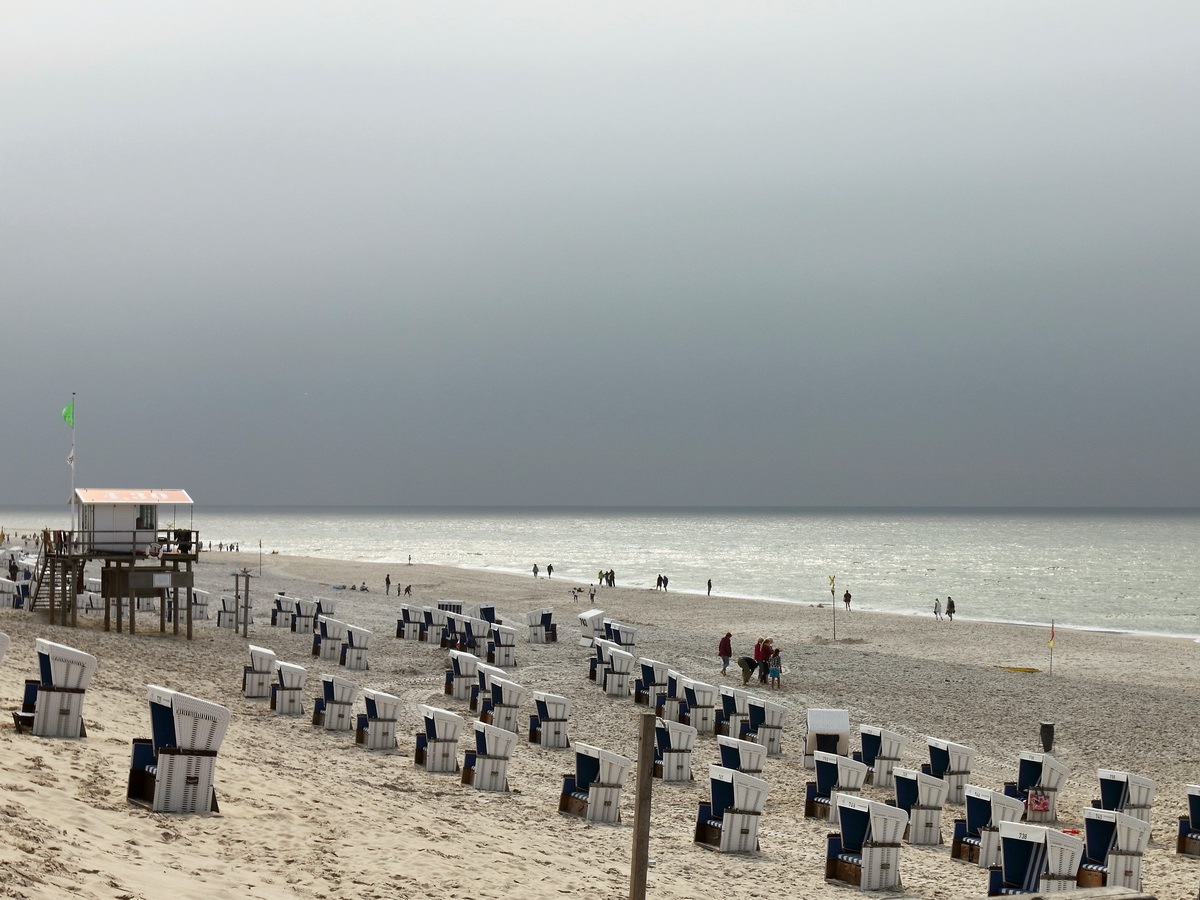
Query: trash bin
pixel 1047 736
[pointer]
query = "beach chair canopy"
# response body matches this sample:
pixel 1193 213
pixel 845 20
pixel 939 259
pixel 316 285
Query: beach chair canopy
pixel 441 724
pixel 64 667
pixel 491 740
pixel 185 722
pixel 879 743
pixel 916 788
pixel 828 730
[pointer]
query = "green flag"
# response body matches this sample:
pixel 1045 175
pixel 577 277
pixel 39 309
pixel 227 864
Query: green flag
pixel 69 413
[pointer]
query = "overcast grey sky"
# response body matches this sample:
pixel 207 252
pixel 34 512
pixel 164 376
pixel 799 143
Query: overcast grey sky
pixel 745 253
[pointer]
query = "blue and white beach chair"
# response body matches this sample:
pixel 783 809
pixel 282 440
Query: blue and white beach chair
pixel 742 756
pixel 594 791
pixel 673 750
pixel 1113 847
pixel 734 711
pixel 977 837
pixel 836 775
pixel 333 709
pixel 1125 792
pixel 256 677
pixel 486 769
pixel 729 820
pixel 922 797
pixel 701 699
pixel 377 728
pixel 172 772
pixel 650 683
pixel 866 851
pixel 1188 841
pixel 881 752
pixel 287 692
pixel 952 763
pixel 53 702
pixel 549 726
pixel 504 708
pixel 437 745
pixel 354 648
pixel 1039 778
pixel 1033 859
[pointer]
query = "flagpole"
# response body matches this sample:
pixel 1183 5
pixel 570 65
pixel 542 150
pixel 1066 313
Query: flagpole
pixel 1051 648
pixel 74 505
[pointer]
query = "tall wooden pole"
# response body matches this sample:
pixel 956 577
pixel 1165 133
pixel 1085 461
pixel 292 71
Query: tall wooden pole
pixel 641 814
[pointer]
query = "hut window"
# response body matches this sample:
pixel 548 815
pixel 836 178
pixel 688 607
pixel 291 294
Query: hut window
pixel 147 517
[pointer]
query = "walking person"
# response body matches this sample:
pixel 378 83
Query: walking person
pixel 387 583
pixel 710 587
pixel 950 608
pixel 937 608
pixel 592 592
pixel 535 570
pixel 549 570
pixel 846 600
pixel 664 583
pixel 725 651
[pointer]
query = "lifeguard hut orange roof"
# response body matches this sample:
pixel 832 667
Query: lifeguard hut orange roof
pixel 146 498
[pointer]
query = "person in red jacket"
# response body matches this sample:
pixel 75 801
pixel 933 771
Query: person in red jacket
pixel 725 650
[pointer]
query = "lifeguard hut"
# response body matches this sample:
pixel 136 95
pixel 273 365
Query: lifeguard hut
pixel 141 557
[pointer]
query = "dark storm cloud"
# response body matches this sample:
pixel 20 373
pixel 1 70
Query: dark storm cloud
pixel 930 254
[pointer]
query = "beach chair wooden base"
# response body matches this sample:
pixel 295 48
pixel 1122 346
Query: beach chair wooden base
pixel 1188 844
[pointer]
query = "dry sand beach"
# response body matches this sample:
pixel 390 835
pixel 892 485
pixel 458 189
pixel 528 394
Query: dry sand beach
pixel 307 813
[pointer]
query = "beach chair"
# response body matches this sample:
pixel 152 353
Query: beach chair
pixel 1034 859
pixel 734 711
pixel 866 850
pixel 952 763
pixel 977 837
pixel 673 751
pixel 701 699
pixel 594 791
pixel 376 729
pixel 486 769
pixel 282 610
pixel 172 772
pixel 653 678
pixel 287 692
pixel 616 674
pixel 836 775
pixel 591 626
pixel 437 745
pixel 504 708
pixel 486 612
pixel 598 661
pixel 742 756
pixel 451 606
pixel 8 594
pixel 332 710
pixel 625 636
pixel 53 703
pixel 881 752
pixel 303 616
pixel 452 633
pixel 462 675
pixel 354 649
pixel 1125 792
pixel 434 625
pixel 764 724
pixel 328 638
pixel 829 732
pixel 549 726
pixel 408 626
pixel 256 677
pixel 502 647
pixel 1188 841
pixel 481 693
pixel 922 797
pixel 728 821
pixel 91 604
pixel 326 606
pixel 228 615
pixel 1113 846
pixel 670 704
pixel 1039 778
pixel 542 629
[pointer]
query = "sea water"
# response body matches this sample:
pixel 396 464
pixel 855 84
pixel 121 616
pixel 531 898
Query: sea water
pixel 1125 570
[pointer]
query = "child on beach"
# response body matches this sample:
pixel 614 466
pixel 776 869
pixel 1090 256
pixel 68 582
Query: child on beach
pixel 776 665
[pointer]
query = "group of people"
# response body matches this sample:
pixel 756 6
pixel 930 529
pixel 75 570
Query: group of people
pixel 576 591
pixel 766 661
pixel 608 578
pixel 937 608
pixel 661 584
pixel 549 570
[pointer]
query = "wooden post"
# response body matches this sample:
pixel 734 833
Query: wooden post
pixel 641 811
